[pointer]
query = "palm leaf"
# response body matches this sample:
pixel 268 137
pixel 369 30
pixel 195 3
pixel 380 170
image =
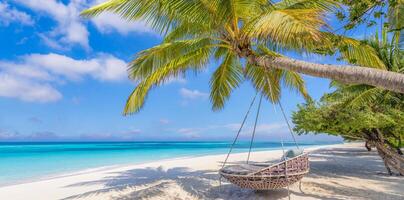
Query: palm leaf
pixel 296 29
pixel 149 60
pixel 325 5
pixel 265 81
pixel 293 80
pixel 290 79
pixel 224 80
pixel 176 67
pixel 160 14
pixel 366 97
pixel 359 53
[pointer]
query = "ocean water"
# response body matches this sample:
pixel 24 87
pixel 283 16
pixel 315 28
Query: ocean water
pixel 21 162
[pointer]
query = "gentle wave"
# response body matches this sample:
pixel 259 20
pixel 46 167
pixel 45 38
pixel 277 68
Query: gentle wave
pixel 28 161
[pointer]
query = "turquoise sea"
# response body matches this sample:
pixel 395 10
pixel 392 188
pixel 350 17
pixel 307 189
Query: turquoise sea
pixel 21 162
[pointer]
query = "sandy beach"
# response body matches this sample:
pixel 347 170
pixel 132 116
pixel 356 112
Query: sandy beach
pixel 344 171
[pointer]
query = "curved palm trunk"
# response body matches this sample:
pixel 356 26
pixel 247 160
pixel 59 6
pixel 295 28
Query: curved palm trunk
pixel 368 146
pixel 345 74
pixel 389 156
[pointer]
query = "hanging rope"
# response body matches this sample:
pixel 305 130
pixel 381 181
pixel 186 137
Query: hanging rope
pixel 283 149
pixel 287 122
pixel 286 165
pixel 255 126
pixel 272 97
pixel 239 130
pixel 283 111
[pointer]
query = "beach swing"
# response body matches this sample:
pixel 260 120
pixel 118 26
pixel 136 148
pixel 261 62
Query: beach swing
pixel 291 168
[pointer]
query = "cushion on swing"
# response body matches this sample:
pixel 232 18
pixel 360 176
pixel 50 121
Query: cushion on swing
pixel 242 169
pixel 293 153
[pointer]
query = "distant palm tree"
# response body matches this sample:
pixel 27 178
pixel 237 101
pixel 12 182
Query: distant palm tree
pixel 246 36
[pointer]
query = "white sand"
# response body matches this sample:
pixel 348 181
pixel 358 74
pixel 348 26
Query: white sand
pixel 345 171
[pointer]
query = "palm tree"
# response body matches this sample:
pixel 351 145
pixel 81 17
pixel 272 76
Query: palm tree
pixel 246 36
pixel 389 141
pixel 357 95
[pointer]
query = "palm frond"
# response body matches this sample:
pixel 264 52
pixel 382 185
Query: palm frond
pixel 176 67
pixel 396 17
pixel 250 9
pixel 149 60
pixel 221 52
pixel 290 79
pixel 297 29
pixel 185 30
pixel 224 80
pixel 326 5
pixel 293 80
pixel 160 14
pixel 265 81
pixel 359 53
pixel 366 97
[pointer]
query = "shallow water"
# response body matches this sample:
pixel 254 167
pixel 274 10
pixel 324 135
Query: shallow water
pixel 21 162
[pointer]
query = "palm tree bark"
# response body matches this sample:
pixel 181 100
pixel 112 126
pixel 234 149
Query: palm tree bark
pixel 389 156
pixel 346 74
pixel 368 146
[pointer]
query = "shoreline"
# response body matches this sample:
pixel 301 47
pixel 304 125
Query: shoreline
pixel 134 164
pixel 341 171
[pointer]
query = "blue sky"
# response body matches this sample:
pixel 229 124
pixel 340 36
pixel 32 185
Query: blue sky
pixel 64 78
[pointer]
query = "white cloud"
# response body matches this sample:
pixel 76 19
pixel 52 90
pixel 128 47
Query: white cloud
pixel 109 22
pixel 232 126
pixel 10 15
pixel 129 135
pixel 103 67
pixel 52 43
pixel 33 77
pixel 263 128
pixel 180 80
pixel 190 132
pixel 70 28
pixel 26 90
pixel 193 94
pixel 271 128
pixel 8 135
pixel 25 70
pixel 111 69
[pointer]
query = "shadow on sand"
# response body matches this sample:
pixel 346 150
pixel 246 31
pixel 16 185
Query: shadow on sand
pixel 147 183
pixel 150 183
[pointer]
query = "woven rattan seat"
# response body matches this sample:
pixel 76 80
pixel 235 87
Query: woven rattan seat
pixel 294 164
pixel 242 169
pixel 275 176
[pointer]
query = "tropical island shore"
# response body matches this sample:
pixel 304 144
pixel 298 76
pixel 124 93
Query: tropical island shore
pixel 343 171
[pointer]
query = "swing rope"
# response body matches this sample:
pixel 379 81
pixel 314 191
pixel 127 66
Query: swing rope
pixel 287 122
pixel 283 148
pixel 239 130
pixel 255 126
pixel 254 130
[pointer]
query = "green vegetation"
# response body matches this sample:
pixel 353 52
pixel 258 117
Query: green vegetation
pixel 361 112
pixel 247 39
pixel 369 12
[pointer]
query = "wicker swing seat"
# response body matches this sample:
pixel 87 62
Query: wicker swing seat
pixel 266 176
pixel 294 164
